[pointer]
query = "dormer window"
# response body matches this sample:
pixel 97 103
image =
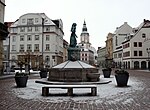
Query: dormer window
pixel 143 35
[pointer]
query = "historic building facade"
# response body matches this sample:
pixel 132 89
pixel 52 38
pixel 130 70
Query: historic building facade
pixel 36 41
pixel 136 48
pixel 87 53
pixel 119 36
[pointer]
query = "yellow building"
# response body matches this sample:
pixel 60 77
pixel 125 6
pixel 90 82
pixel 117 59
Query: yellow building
pixel 109 49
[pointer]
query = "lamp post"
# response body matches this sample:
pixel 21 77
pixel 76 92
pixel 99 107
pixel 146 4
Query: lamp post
pixel 148 52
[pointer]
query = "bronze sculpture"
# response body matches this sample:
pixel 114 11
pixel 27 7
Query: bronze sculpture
pixel 73 41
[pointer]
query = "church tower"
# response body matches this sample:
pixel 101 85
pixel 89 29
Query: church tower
pixel 84 37
pixel 86 53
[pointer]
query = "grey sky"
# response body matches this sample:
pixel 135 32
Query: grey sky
pixel 101 16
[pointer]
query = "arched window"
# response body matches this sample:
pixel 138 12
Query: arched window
pixel 143 65
pixel 136 65
pixel 47 59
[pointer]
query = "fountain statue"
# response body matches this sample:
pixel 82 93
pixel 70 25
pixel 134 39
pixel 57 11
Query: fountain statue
pixel 73 70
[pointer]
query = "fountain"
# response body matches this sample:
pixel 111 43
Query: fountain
pixel 73 70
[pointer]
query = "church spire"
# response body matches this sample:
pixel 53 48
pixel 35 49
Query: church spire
pixel 84 29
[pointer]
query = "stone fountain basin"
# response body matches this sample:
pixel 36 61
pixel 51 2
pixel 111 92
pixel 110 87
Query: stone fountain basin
pixel 73 75
pixel 72 71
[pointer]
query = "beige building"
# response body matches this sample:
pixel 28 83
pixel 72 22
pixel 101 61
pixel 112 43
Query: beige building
pixel 3 32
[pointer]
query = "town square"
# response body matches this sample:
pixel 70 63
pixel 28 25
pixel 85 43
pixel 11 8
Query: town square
pixel 74 55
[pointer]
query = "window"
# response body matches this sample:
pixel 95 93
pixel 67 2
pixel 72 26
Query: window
pixel 140 44
pixel 29 47
pixel 53 57
pixel 22 38
pixel 23 20
pixel 36 28
pixel 47 29
pixel 120 55
pixel 85 59
pixel 36 37
pixel 29 37
pixel 143 35
pixel 13 47
pixel 14 30
pixel 128 45
pixel 36 46
pixel 22 29
pixel 126 54
pixel 135 53
pixel 13 38
pixel 47 37
pixel 5 48
pixel 85 54
pixel 140 53
pixel 36 20
pixel 5 56
pixel 47 58
pixel 116 40
pixel 115 55
pixel 21 47
pixel 82 54
pixel 13 57
pixel 135 44
pixel 29 29
pixel 47 47
pixel 30 21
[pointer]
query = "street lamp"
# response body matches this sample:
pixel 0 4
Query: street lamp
pixel 148 52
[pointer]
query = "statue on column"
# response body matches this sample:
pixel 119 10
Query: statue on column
pixel 73 41
pixel 73 50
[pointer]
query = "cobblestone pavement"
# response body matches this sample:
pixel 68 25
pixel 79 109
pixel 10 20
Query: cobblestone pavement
pixel 136 100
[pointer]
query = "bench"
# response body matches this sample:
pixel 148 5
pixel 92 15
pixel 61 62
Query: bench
pixel 45 89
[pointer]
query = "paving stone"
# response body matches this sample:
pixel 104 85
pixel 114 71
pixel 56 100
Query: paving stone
pixel 136 100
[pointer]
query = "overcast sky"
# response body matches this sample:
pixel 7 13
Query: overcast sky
pixel 101 16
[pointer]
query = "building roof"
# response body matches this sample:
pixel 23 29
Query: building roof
pixel 47 20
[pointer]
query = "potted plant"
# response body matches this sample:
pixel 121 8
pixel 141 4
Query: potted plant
pixel 43 73
pixel 107 72
pixel 21 79
pixel 122 77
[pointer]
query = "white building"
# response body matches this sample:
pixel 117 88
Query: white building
pixel 88 52
pixel 36 40
pixel 119 36
pixel 136 48
pixel 101 59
